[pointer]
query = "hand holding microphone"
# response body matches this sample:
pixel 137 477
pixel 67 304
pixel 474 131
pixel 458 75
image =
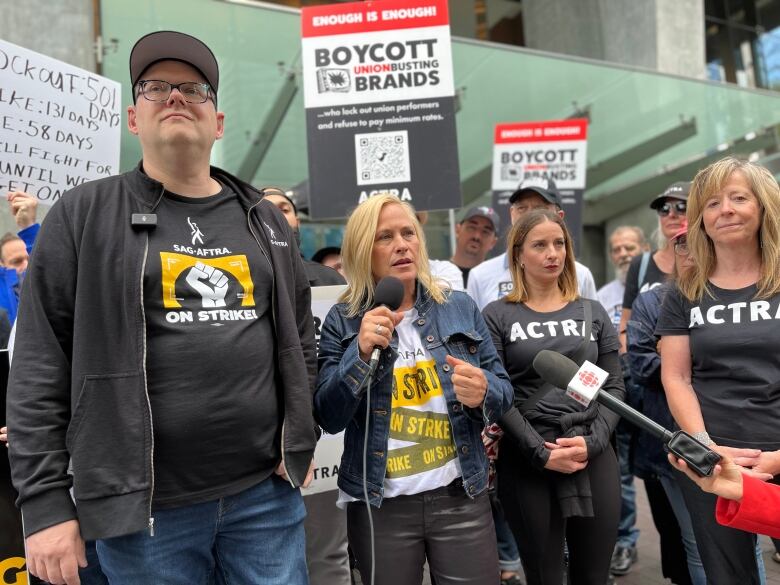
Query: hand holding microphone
pixel 376 330
pixel 378 324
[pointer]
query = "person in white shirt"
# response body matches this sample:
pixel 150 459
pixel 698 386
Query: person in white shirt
pixel 491 280
pixel 625 242
pixel 442 270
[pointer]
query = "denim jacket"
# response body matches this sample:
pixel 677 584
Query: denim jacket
pixel 455 327
pixel 645 364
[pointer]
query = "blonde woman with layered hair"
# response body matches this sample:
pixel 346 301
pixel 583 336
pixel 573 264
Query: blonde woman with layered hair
pixel 765 188
pixel 414 439
pixel 554 449
pixel 356 254
pixel 719 330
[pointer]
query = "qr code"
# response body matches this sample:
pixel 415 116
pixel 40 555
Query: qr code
pixel 382 157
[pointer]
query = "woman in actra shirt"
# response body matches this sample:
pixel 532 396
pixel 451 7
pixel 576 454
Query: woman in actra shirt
pixel 719 364
pixel 557 475
pixel 438 382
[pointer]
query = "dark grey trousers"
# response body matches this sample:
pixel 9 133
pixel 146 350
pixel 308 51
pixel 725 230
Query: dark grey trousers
pixel 453 532
pixel 326 540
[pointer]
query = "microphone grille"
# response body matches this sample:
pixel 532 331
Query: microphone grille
pixel 389 292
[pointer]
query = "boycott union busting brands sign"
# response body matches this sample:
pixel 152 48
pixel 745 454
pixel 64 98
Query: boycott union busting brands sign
pixel 379 97
pixel 535 152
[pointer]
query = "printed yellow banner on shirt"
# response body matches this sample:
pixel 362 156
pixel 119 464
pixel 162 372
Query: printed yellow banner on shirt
pixel 415 385
pixel 173 265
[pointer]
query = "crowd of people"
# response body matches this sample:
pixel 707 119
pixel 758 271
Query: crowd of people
pixel 177 394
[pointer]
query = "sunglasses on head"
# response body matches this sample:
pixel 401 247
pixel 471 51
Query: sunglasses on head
pixel 678 206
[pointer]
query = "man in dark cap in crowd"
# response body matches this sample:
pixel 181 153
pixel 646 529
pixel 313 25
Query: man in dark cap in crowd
pixel 475 236
pixel 167 313
pixel 491 280
pixel 329 256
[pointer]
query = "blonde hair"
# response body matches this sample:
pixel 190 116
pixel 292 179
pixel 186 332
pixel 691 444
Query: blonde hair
pixel 694 283
pixel 567 281
pixel 358 245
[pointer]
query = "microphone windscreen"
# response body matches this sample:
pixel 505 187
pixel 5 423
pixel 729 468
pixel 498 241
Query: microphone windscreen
pixel 555 368
pixel 389 292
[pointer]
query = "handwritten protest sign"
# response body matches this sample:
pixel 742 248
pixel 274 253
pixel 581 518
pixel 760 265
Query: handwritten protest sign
pixel 59 124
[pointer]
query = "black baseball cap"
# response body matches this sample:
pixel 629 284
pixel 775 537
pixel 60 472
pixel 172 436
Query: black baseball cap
pixel 544 187
pixel 483 211
pixel 167 45
pixel 280 193
pixel 322 253
pixel 677 190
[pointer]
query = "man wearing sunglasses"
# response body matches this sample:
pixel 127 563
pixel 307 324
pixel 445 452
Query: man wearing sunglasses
pixel 167 313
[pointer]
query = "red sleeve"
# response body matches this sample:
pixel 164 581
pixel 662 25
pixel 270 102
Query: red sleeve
pixel 759 510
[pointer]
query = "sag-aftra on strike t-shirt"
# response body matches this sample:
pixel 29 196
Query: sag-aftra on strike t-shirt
pixel 210 348
pixel 735 359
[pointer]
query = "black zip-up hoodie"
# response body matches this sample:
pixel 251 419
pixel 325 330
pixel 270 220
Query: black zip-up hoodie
pixel 77 392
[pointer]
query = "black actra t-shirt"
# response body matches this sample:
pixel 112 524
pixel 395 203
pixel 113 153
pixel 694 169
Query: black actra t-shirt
pixel 653 278
pixel 735 362
pixel 210 343
pixel 519 333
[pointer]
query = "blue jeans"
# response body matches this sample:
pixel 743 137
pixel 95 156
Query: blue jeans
pixel 508 555
pixel 760 563
pixel 256 537
pixel 92 574
pixel 628 533
pixel 674 494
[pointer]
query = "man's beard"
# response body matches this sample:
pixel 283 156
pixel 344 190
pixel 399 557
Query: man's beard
pixel 622 272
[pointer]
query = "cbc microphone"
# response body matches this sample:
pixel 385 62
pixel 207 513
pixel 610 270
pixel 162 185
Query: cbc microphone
pixel 389 293
pixel 583 384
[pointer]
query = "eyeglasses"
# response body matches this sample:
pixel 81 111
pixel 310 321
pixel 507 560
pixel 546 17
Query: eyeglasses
pixel 679 208
pixel 155 90
pixel 681 248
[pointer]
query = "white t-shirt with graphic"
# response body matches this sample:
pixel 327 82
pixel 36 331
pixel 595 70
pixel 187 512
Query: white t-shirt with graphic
pixel 611 298
pixel 421 452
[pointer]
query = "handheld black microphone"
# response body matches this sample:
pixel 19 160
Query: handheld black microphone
pixel 389 293
pixel 583 384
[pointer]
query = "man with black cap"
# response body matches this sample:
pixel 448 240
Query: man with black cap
pixel 168 314
pixel 475 236
pixel 491 280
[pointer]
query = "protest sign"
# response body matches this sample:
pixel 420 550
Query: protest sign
pixel 556 150
pixel 59 125
pixel 380 107
pixel 327 456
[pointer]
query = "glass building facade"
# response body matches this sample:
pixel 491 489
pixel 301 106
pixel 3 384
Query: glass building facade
pixel 646 129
